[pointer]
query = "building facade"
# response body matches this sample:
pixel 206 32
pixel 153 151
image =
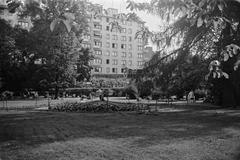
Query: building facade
pixel 13 18
pixel 114 48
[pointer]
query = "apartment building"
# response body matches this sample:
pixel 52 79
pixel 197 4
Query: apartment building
pixel 13 18
pixel 113 49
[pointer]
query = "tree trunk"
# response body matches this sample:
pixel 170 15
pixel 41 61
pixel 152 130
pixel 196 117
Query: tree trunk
pixel 56 92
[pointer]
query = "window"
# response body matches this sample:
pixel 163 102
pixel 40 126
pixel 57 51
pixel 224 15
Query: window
pixel 108 36
pixel 123 22
pixel 107 53
pixel 123 70
pixel 130 54
pixel 129 23
pixel 130 39
pixel 124 30
pixel 124 54
pixel 129 31
pixel 140 40
pixel 114 70
pixel 115 62
pixel 130 47
pixel 97 69
pixel 85 45
pixel 114 30
pixel 23 24
pixel 97 34
pixel 97 43
pixel 140 48
pixel 123 46
pixel 107 69
pixel 107 19
pixel 97 26
pixel 115 37
pixel 97 61
pixel 107 44
pixel 123 62
pixel 98 52
pixel 114 45
pixel 130 62
pixel 123 38
pixel 140 55
pixel 107 61
pixel 140 25
pixel 86 37
pixel 114 54
pixel 107 28
pixel 140 63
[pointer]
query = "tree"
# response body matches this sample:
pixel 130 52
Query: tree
pixel 17 62
pixel 212 24
pixel 145 88
pixel 83 68
pixel 57 29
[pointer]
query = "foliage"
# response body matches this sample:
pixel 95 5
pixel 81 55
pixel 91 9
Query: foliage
pixel 45 57
pixel 209 29
pixel 57 29
pixel 83 68
pixel 17 61
pixel 145 88
pixel 6 95
pixel 132 91
pixel 93 107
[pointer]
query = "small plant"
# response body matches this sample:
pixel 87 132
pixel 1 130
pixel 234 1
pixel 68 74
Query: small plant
pixel 5 96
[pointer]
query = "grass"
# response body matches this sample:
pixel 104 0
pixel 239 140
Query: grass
pixel 193 133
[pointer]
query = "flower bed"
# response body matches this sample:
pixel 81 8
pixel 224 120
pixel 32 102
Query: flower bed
pixel 98 106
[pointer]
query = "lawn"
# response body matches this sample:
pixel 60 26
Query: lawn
pixel 185 133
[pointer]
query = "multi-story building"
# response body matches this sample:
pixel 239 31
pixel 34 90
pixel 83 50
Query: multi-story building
pixel 113 49
pixel 13 18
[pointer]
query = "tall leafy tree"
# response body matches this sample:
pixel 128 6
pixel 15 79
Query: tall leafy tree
pixel 209 28
pixel 17 61
pixel 57 29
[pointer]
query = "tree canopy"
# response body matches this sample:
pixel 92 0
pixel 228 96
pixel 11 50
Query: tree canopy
pixel 52 46
pixel 207 28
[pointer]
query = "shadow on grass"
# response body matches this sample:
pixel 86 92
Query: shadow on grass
pixel 43 127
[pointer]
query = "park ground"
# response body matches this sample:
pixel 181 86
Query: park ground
pixel 176 132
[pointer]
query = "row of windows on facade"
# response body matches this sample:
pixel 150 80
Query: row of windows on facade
pixel 115 45
pixel 115 62
pixel 120 21
pixel 114 70
pixel 114 37
pixel 23 24
pixel 115 54
pixel 122 30
pixel 123 38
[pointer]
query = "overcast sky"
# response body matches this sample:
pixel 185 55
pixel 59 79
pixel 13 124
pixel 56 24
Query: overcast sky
pixel 153 22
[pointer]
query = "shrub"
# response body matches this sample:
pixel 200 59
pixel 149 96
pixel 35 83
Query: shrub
pixel 98 106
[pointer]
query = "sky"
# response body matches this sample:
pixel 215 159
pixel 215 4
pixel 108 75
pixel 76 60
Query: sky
pixel 153 22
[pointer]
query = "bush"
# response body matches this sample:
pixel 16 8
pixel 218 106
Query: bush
pixel 6 95
pixel 98 106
